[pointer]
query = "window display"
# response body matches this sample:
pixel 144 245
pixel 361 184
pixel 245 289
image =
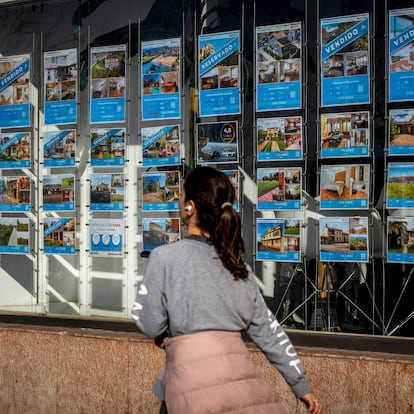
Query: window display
pixel 108 84
pixel 278 67
pixel 219 73
pixel 401 62
pixel 161 79
pixel 345 65
pixel 61 87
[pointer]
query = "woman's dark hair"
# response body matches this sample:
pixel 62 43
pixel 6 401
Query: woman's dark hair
pixel 213 195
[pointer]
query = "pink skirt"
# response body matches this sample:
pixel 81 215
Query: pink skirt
pixel 211 372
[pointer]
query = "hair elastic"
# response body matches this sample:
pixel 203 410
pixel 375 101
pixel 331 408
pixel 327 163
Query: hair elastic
pixel 225 204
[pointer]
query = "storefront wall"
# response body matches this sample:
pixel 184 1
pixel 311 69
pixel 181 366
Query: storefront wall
pixel 333 141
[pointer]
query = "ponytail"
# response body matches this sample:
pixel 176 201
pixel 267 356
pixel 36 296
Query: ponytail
pixel 213 195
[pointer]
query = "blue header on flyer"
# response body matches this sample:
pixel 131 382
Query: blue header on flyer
pixel 222 53
pixel 155 137
pixel 102 138
pixel 60 223
pixel 56 139
pixel 12 141
pixel 335 45
pixel 16 73
pixel 402 40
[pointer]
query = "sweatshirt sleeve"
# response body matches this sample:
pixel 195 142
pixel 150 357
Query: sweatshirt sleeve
pixel 266 332
pixel 149 310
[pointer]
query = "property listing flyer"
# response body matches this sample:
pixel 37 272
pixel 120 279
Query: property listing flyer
pixel 279 138
pixel 15 150
pixel 59 148
pixel 400 239
pixel 217 143
pixel 345 134
pixel 107 192
pixel 108 84
pixel 400 185
pixel 160 81
pixel 343 239
pixel 106 237
pixel 159 231
pixel 14 235
pixel 401 132
pixel 107 147
pixel 219 73
pixel 59 192
pixel 14 91
pixel 15 193
pixel 279 188
pixel 60 87
pixel 59 235
pixel 401 59
pixel 344 187
pixel 278 67
pixel 278 239
pixel 161 191
pixel 234 177
pixel 345 64
pixel 161 146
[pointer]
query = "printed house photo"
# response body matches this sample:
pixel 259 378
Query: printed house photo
pixel 63 235
pixel 279 134
pixel 278 53
pixel 161 187
pixel 223 75
pixel 58 189
pixel 55 149
pixel 14 190
pixel 113 147
pixel 18 90
pixel 343 235
pixel 400 185
pixel 401 130
pixel 402 60
pixel 344 130
pixel 160 142
pixel 344 182
pixel 15 149
pixel 400 239
pixel 160 68
pixel 13 232
pixel 278 235
pixel 60 75
pixel 107 188
pixel 352 59
pixel 108 74
pixel 157 232
pixel 276 185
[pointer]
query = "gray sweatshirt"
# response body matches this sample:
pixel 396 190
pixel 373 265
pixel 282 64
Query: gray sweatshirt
pixel 186 289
